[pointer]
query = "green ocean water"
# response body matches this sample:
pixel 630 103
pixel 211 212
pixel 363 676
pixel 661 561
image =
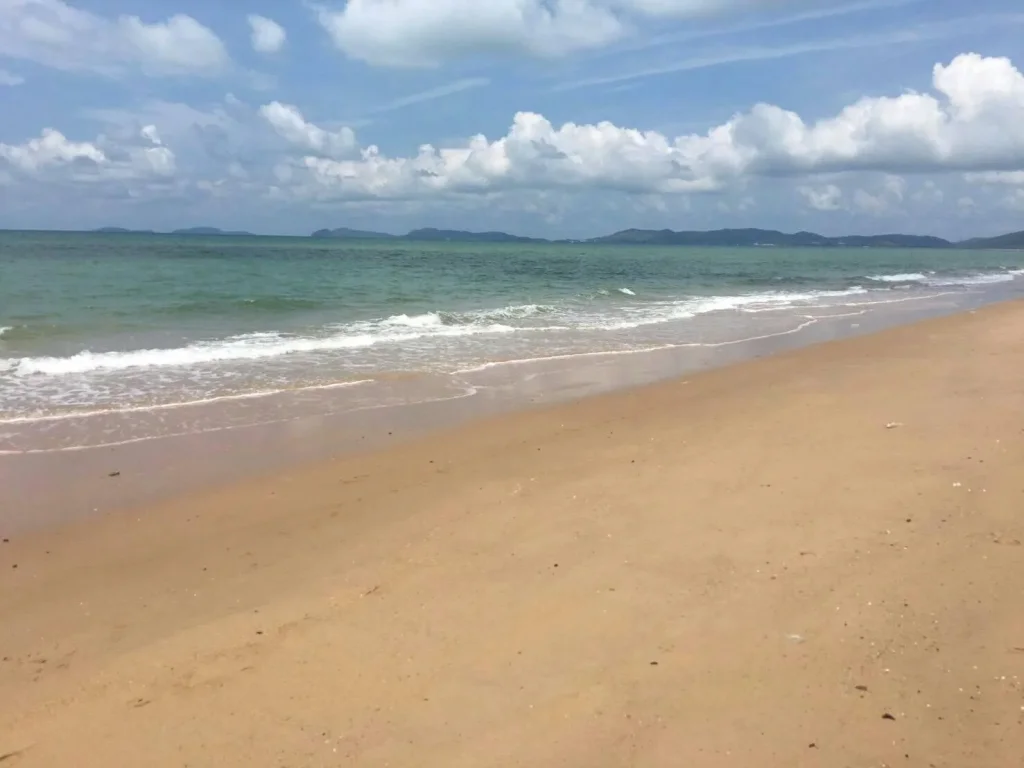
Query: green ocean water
pixel 111 321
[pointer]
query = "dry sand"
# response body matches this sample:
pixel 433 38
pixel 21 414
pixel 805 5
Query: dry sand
pixel 744 568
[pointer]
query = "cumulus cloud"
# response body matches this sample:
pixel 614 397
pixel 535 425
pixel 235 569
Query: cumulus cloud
pixel 52 156
pixel 426 32
pixel 974 122
pixel 51 148
pixel 289 123
pixel 413 33
pixel 154 158
pixel 878 155
pixel 58 35
pixel 267 35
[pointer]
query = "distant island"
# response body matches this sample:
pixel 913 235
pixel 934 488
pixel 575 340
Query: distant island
pixel 717 237
pixel 735 238
pixel 429 234
pixel 1012 241
pixel 769 237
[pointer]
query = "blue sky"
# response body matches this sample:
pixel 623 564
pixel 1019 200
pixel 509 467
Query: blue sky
pixel 546 117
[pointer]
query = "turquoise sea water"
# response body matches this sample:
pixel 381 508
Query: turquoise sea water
pixel 115 322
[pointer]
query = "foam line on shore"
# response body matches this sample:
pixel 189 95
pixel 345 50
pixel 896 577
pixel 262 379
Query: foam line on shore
pixel 610 353
pixel 33 419
pixel 468 391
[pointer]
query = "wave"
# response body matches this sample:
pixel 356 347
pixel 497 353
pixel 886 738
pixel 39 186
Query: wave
pixel 899 277
pixel 405 328
pixel 976 279
pixel 247 347
pixel 668 311
pixel 471 317
pixel 4 329
pixel 584 313
pixel 934 279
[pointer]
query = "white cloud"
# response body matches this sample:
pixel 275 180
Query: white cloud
pixel 10 79
pixel 58 35
pixel 974 123
pixel 877 156
pixel 222 144
pixel 52 156
pixel 533 154
pixel 289 123
pixel 151 134
pixel 266 34
pixel 51 148
pixel 416 33
pixel 827 198
pixel 155 158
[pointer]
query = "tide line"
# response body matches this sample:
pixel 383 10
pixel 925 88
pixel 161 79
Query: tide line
pixel 184 404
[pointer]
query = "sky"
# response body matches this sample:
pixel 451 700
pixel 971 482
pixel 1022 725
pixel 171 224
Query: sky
pixel 552 118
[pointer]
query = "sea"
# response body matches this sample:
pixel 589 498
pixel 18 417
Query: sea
pixel 129 328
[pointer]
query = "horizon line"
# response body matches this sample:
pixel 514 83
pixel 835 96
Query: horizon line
pixel 221 232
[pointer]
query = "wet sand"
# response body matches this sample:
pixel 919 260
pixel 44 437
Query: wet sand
pixel 813 559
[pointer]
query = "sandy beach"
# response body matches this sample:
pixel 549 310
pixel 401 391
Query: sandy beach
pixel 812 559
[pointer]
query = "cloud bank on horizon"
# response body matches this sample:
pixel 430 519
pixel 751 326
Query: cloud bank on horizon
pixel 549 117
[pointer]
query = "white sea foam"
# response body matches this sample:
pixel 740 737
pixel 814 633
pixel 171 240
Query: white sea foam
pixel 932 279
pixel 253 346
pixel 900 277
pixel 668 311
pixel 980 279
pixel 466 391
pixel 476 318
pixel 807 322
pixel 417 331
pixel 4 329
pixel 33 418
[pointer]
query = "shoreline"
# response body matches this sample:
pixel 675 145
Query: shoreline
pixel 174 360
pixel 812 558
pixel 210 445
